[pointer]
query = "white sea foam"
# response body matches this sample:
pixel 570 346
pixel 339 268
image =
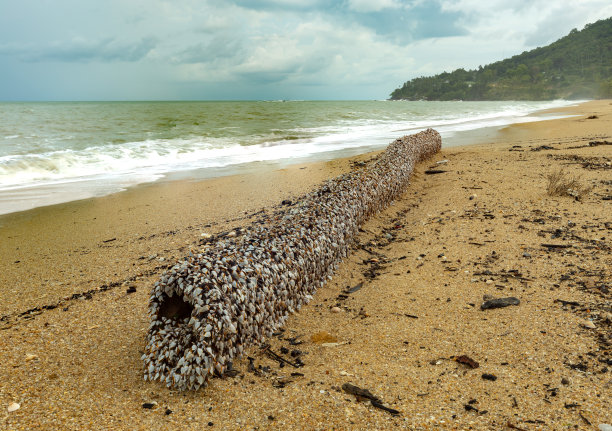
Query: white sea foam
pixel 61 172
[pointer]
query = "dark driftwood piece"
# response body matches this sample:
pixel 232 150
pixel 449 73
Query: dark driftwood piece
pixel 241 287
pixel 500 303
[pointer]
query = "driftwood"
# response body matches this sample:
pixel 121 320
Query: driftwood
pixel 239 289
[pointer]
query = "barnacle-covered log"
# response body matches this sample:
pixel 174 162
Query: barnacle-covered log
pixel 238 289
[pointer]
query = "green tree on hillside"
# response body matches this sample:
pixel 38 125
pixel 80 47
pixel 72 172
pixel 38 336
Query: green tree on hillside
pixel 577 66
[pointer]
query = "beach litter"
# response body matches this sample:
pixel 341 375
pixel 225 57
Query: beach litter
pixel 362 394
pixel 499 303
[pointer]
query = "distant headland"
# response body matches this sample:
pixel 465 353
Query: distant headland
pixel 577 66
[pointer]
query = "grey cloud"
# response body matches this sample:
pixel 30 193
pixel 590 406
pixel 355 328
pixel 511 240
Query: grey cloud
pixel 552 28
pixel 81 51
pixel 266 77
pixel 261 48
pixel 286 5
pixel 422 21
pixel 220 47
pixel 302 69
pixel 408 22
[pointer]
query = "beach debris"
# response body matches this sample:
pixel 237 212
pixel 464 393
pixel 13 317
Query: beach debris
pixel 499 303
pixel 487 376
pixel 469 407
pixel 584 418
pixel 514 427
pixel 275 356
pixel 12 407
pixel 333 344
pixel 595 163
pixel 598 143
pixel 464 359
pixel 534 421
pixel 282 381
pixel 231 373
pixel 364 394
pixel 323 337
pixel 588 324
pixel 591 144
pixel 294 341
pixel 605 427
pixel 434 171
pixel 362 313
pixel 336 310
pixel 149 406
pixel 543 147
pixel 570 303
pixel 238 289
pixel 30 357
pixel 553 246
pixel 354 288
pixel 580 366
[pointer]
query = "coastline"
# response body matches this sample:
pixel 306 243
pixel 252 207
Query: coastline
pixel 88 348
pixel 238 146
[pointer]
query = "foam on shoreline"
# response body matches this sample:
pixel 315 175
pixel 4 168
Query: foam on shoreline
pixel 62 168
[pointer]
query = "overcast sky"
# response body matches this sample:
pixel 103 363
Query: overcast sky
pixel 262 49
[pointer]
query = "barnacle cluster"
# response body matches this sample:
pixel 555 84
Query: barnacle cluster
pixel 238 289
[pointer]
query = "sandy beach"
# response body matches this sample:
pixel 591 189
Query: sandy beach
pixel 404 308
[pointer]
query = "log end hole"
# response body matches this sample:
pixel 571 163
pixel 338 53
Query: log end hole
pixel 175 307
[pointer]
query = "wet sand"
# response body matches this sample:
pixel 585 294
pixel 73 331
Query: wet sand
pixel 72 335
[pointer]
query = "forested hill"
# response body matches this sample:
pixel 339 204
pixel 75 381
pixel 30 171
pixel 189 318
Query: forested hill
pixel 577 66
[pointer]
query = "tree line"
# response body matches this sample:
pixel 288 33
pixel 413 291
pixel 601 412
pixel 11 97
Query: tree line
pixel 577 66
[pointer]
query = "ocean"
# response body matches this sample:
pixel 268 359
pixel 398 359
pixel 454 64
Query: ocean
pixel 54 152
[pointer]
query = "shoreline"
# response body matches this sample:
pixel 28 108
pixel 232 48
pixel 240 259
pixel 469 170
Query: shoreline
pixel 86 372
pixel 48 222
pixel 18 198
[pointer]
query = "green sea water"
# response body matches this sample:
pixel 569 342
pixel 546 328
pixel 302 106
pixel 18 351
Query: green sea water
pixel 53 152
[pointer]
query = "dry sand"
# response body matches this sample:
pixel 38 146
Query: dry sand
pixel 71 336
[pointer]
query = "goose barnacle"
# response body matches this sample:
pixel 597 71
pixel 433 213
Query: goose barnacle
pixel 245 283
